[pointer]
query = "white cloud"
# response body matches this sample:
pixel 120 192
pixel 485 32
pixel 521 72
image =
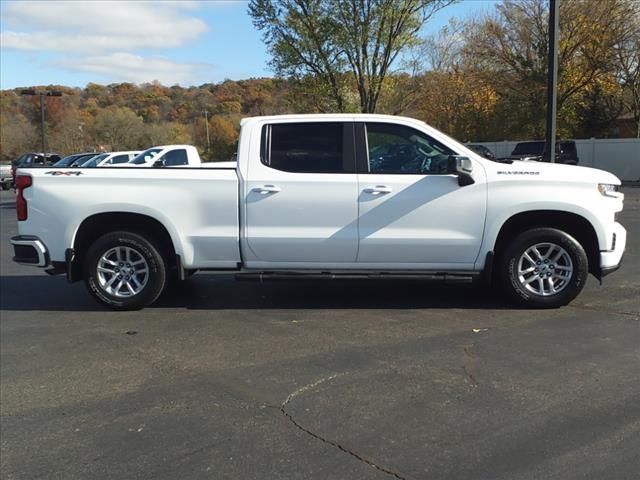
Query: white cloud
pixel 98 26
pixel 123 66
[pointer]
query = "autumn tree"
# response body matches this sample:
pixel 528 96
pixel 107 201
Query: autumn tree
pixel 118 128
pixel 70 133
pixel 327 38
pixel 627 62
pixel 223 138
pixel 165 133
pixel 511 47
pixel 17 135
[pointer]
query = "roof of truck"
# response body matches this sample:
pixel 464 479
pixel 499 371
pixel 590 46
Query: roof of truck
pixel 327 116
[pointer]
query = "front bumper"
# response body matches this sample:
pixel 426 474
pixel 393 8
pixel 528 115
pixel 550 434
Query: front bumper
pixel 610 260
pixel 30 250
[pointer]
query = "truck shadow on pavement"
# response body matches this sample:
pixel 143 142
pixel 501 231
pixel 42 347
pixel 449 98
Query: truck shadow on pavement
pixel 217 292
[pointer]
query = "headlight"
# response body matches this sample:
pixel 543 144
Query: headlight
pixel 608 190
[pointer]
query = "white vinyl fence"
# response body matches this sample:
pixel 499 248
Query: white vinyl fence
pixel 620 156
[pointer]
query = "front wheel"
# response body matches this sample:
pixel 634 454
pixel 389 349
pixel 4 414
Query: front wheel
pixel 124 271
pixel 544 268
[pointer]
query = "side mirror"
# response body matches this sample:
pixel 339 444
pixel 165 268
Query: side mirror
pixel 462 167
pixel 158 164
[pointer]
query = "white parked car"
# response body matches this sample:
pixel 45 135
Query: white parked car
pixel 110 159
pixel 326 195
pixel 167 156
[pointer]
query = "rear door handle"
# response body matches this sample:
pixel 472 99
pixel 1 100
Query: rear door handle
pixel 267 189
pixel 378 190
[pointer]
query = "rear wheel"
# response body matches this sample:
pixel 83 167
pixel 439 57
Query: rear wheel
pixel 544 268
pixel 124 271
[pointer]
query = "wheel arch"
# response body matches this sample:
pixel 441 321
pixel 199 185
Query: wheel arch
pixel 94 226
pixel 573 224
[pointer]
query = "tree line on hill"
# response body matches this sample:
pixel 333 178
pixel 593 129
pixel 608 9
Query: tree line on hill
pixel 479 80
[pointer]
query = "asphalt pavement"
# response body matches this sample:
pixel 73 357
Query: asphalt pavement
pixel 318 380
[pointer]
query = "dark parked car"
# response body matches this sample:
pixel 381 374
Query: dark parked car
pixel 75 159
pixel 482 150
pixel 32 159
pixel 35 159
pixel 566 151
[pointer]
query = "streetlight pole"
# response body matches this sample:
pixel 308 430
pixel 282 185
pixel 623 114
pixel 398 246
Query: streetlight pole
pixel 552 81
pixel 206 124
pixel 43 134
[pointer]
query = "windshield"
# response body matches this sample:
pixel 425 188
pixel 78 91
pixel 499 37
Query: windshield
pixel 146 156
pixel 93 161
pixel 81 159
pixel 66 161
pixel 529 148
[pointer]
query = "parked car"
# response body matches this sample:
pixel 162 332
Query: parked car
pixel 111 159
pixel 6 178
pixel 166 156
pixel 114 158
pixel 74 160
pixel 316 196
pixel 482 150
pixel 566 152
pixel 32 159
pixel 35 159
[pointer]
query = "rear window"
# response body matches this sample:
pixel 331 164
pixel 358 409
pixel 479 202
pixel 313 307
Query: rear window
pixel 568 148
pixel 533 148
pixel 314 147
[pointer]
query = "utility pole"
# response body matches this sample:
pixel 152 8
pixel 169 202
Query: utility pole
pixel 206 124
pixel 43 133
pixel 552 81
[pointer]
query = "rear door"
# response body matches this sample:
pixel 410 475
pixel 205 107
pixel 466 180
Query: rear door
pixel 412 213
pixel 301 196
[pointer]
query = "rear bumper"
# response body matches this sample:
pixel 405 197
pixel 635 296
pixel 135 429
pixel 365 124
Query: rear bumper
pixel 610 260
pixel 30 250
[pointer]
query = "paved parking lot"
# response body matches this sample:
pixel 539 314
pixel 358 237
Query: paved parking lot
pixel 327 380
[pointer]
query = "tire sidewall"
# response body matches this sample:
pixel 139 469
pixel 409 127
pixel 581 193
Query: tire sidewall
pixel 529 238
pixel 157 272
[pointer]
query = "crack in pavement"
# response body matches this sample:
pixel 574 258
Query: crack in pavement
pixel 334 444
pixel 469 365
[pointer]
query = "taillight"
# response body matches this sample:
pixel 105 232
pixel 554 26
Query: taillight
pixel 22 182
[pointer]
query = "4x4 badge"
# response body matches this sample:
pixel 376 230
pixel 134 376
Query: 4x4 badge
pixel 57 173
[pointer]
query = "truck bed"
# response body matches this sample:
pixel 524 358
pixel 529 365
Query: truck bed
pixel 198 207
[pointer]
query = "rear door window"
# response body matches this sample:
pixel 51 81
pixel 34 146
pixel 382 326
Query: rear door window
pixel 311 147
pixel 175 157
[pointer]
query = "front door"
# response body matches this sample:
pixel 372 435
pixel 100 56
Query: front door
pixel 412 213
pixel 302 197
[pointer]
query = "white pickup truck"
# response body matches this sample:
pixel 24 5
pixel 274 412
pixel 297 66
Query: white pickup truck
pixel 326 195
pixel 166 156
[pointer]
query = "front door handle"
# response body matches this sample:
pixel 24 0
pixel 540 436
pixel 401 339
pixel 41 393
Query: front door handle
pixel 378 190
pixel 263 190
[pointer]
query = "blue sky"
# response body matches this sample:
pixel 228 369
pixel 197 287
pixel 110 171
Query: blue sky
pixel 175 42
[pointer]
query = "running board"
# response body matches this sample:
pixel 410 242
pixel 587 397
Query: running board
pixel 450 277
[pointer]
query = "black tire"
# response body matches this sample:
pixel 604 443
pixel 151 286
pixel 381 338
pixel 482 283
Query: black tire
pixel 148 285
pixel 539 291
